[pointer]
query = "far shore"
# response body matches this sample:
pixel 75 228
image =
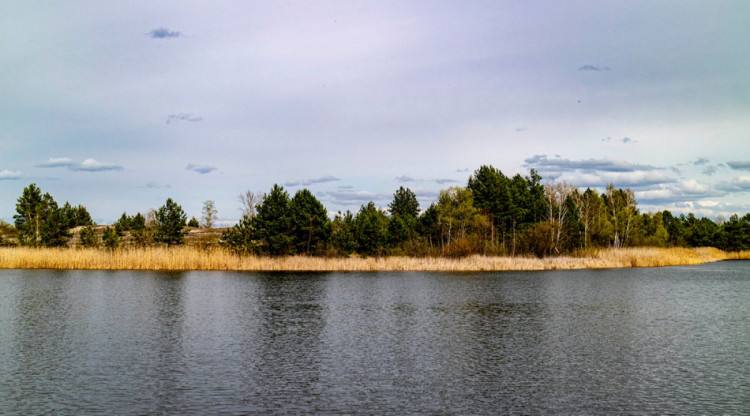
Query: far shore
pixel 192 258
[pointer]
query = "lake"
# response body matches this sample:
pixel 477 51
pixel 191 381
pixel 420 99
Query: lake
pixel 629 341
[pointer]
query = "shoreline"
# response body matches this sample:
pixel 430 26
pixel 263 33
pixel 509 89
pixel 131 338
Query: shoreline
pixel 194 259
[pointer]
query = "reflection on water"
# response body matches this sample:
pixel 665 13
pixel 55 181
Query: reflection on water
pixel 672 340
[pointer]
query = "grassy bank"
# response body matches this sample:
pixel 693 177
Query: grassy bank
pixel 191 258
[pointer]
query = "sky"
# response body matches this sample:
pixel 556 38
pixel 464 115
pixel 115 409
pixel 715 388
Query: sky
pixel 120 105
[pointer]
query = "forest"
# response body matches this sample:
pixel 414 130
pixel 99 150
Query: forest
pixel 493 215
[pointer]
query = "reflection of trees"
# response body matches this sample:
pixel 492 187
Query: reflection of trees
pixel 166 361
pixel 288 343
pixel 40 347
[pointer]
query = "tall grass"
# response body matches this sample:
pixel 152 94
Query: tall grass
pixel 191 258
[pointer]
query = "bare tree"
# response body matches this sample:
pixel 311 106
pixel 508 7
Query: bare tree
pixel 557 193
pixel 209 214
pixel 248 201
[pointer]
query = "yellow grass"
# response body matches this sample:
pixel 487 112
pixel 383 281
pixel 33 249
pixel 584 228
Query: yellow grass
pixel 190 258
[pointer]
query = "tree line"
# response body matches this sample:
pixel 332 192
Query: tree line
pixel 493 214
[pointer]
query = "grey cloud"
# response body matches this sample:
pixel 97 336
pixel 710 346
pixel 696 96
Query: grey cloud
pixel 627 140
pixel 202 169
pixel 689 190
pixel 737 184
pixel 464 170
pixel 154 185
pixel 593 68
pixel 93 165
pixel 739 165
pixel 88 165
pixel 444 181
pixel 700 161
pixel 542 162
pixel 307 182
pixel 163 33
pixel 182 117
pixel 521 129
pixel 606 139
pixel 635 180
pixel 709 170
pixel 9 175
pixel 404 178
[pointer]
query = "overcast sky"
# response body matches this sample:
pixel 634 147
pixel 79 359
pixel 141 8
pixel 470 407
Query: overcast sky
pixel 120 105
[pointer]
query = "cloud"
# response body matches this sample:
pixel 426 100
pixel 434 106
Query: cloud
pixel 404 178
pixel 521 129
pixel 543 163
pixel 593 68
pixel 93 165
pixel 88 165
pixel 57 162
pixel 182 117
pixel 444 181
pixel 154 185
pixel 606 139
pixel 202 169
pixel 627 140
pixel 307 182
pixel 164 33
pixel 9 175
pixel 638 179
pixel 739 165
pixel 737 184
pixel 355 197
pixel 464 170
pixel 709 170
pixel 700 161
pixel 688 190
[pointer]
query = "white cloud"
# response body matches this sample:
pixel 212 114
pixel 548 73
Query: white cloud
pixel 56 162
pixel 6 174
pixel 93 165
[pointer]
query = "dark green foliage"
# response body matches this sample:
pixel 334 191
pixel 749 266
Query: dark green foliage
pixel 170 221
pixel 309 222
pixel 193 222
pixel 122 224
pixel 38 219
pixel 405 204
pixel 110 238
pixel 272 223
pixel 428 226
pixel 240 237
pixel 371 226
pixel 344 233
pixel 88 237
pixel 75 216
pixel 138 222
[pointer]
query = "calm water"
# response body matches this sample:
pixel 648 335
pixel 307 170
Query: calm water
pixel 643 341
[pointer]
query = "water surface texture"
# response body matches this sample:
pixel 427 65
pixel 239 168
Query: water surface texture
pixel 669 340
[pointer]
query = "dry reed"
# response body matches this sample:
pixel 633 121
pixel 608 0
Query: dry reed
pixel 190 258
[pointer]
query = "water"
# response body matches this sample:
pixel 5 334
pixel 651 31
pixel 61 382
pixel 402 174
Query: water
pixel 633 341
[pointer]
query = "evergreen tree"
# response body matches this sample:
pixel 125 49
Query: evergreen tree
pixel 309 222
pixel 193 222
pixel 30 216
pixel 344 232
pixel 240 237
pixel 110 238
pixel 271 224
pixel 404 204
pixel 88 237
pixel 170 221
pixel 372 224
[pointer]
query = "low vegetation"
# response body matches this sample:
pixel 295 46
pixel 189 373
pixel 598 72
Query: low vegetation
pixel 192 258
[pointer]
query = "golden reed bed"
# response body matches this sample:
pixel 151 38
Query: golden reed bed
pixel 189 258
